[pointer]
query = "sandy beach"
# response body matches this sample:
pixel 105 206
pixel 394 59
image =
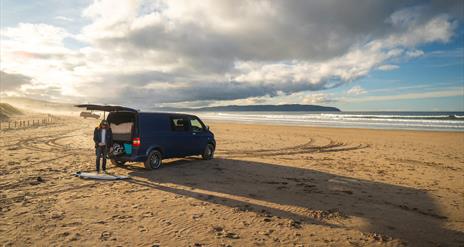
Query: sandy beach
pixel 268 185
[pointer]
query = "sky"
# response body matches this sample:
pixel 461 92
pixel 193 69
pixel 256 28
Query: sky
pixel 357 55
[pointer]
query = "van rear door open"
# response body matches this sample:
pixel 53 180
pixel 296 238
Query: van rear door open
pixel 107 108
pixel 122 120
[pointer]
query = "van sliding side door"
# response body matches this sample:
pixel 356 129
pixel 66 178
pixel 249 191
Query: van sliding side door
pixel 180 139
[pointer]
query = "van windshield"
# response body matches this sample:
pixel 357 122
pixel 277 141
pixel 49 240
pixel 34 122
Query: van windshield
pixel 196 125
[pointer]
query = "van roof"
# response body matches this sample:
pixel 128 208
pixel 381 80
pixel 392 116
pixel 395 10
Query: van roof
pixel 167 114
pixel 158 113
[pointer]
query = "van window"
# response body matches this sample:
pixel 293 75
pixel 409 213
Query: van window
pixel 179 124
pixel 196 125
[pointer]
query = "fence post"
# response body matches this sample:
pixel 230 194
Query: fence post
pixel 9 125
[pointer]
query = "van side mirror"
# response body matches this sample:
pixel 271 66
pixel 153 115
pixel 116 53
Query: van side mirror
pixel 207 127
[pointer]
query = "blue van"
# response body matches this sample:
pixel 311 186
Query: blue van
pixel 150 137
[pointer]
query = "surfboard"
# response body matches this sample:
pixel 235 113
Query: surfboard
pixel 102 176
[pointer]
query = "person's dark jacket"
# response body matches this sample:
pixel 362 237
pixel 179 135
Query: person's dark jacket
pixel 108 136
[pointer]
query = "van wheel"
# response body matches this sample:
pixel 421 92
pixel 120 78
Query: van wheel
pixel 208 153
pixel 118 162
pixel 154 160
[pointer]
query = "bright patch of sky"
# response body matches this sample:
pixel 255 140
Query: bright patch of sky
pixel 401 55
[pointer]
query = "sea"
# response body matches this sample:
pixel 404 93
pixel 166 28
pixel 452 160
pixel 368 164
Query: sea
pixel 433 121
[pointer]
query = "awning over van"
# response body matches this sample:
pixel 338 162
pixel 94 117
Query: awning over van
pixel 107 108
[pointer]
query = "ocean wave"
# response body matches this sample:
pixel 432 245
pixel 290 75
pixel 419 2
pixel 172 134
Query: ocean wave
pixel 443 122
pixel 338 116
pixel 345 117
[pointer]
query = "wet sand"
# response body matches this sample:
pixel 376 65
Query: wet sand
pixel 269 185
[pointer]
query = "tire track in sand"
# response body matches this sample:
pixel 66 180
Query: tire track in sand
pixel 305 148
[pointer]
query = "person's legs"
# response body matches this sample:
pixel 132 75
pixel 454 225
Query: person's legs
pixel 104 153
pixel 98 153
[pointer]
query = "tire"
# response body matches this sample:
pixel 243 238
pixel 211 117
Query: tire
pixel 208 153
pixel 118 162
pixel 154 160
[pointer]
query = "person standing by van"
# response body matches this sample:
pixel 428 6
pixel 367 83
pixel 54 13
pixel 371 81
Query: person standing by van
pixel 103 138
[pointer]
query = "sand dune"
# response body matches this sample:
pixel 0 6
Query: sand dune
pixel 35 106
pixel 7 111
pixel 268 186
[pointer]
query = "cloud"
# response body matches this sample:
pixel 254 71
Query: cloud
pixel 453 53
pixel 388 67
pixel 9 82
pixel 38 51
pixel 64 18
pixel 220 45
pixel 318 98
pixel 141 52
pixel 356 90
pixel 446 92
pixel 24 86
pixel 414 53
pixel 33 38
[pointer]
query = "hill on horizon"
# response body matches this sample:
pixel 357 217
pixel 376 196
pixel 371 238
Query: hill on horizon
pixel 283 108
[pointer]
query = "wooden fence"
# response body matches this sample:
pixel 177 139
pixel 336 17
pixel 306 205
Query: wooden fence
pixel 26 123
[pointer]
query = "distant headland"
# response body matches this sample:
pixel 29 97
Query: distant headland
pixel 276 108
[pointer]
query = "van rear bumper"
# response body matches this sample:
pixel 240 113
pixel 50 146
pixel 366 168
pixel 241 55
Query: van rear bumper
pixel 137 158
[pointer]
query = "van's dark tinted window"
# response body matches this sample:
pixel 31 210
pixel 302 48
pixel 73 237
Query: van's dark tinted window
pixel 179 124
pixel 196 125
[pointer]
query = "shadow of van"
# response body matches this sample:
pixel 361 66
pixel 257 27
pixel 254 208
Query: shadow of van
pixel 307 196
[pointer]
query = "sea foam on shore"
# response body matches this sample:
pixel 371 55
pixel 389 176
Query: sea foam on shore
pixel 442 121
